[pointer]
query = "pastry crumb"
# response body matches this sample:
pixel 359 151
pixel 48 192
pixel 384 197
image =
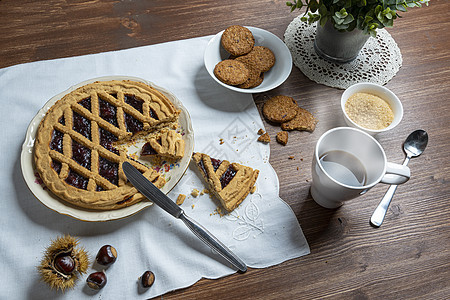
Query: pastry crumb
pixel 181 199
pixel 260 131
pixel 253 190
pixel 218 211
pixel 221 141
pixel 195 192
pixel 282 137
pixel 265 138
pixel 291 157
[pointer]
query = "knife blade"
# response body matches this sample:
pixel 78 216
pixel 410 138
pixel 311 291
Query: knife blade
pixel 149 190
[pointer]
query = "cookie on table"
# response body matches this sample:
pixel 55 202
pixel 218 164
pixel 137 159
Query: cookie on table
pixel 260 57
pixel 232 72
pixel 282 137
pixel 237 40
pixel 280 109
pixel 264 138
pixel 304 120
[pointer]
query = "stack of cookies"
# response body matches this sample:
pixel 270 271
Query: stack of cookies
pixel 247 63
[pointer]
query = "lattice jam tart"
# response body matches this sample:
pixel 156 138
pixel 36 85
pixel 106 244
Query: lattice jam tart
pixel 76 151
pixel 229 182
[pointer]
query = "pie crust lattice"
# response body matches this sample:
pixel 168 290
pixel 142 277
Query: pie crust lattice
pixel 75 149
pixel 229 182
pixel 169 144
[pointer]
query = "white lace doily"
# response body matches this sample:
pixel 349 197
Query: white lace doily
pixel 378 62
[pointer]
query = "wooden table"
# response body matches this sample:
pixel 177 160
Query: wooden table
pixel 408 256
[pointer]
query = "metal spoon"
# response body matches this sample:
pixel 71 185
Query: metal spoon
pixel 414 146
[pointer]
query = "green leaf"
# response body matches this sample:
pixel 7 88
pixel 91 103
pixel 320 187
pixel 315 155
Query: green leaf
pixel 348 19
pixel 323 10
pixel 341 14
pixel 341 26
pixel 313 5
pixel 400 8
pixel 337 20
pixel 323 20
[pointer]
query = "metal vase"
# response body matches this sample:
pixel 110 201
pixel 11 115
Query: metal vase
pixel 336 46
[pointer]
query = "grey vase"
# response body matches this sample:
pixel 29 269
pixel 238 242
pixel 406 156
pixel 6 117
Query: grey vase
pixel 336 46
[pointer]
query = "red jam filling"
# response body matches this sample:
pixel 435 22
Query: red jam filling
pixel 215 163
pixel 76 180
pixel 124 200
pixel 202 166
pixel 133 125
pixel 82 125
pixel 56 142
pixel 81 155
pixel 107 139
pixel 153 114
pixel 135 102
pixel 147 149
pixel 56 165
pixel 109 170
pixel 86 103
pixel 107 112
pixel 227 176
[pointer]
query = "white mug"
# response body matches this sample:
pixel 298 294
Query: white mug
pixel 347 163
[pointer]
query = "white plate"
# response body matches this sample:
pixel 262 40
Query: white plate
pixel 215 53
pixel 172 172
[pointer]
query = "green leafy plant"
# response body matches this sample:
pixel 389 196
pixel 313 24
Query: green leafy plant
pixel 346 15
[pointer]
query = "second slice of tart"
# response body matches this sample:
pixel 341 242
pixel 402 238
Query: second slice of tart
pixel 229 182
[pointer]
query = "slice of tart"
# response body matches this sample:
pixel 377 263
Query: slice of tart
pixel 76 149
pixel 168 144
pixel 229 182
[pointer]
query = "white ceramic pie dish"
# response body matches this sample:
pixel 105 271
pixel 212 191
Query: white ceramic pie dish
pixel 215 53
pixel 173 172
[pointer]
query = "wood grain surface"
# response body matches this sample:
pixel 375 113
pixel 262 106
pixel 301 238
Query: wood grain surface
pixel 408 257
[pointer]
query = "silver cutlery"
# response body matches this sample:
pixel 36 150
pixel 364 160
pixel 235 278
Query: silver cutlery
pixel 413 146
pixel 150 191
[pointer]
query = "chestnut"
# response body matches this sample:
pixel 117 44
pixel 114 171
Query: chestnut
pixel 64 263
pixel 96 280
pixel 147 279
pixel 107 255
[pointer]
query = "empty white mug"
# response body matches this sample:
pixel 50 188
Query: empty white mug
pixel 347 163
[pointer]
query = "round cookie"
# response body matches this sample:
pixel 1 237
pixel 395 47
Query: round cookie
pixel 280 109
pixel 231 72
pixel 254 79
pixel 237 40
pixel 260 57
pixel 304 120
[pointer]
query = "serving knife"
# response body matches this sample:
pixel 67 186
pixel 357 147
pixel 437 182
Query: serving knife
pixel 149 190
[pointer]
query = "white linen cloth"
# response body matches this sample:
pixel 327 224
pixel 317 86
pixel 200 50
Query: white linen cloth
pixel 263 230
